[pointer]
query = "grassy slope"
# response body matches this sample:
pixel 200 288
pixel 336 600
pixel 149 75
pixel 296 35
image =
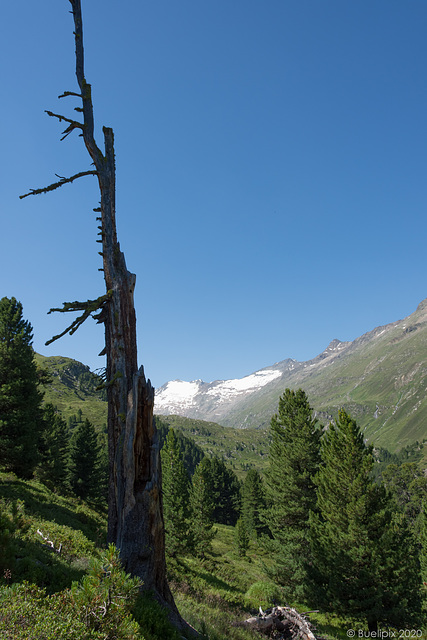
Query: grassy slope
pixel 218 593
pixel 380 378
pixel 214 595
pixel 242 449
pixel 29 506
pixel 391 406
pixel 73 387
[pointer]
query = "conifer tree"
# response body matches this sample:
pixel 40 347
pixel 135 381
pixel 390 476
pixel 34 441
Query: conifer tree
pixel 20 400
pixel 408 486
pixel 400 575
pixel 84 461
pixel 290 490
pixel 176 507
pixel 225 488
pixel 103 465
pixel 202 506
pixel 241 537
pixel 192 454
pixel 56 440
pixel 423 541
pixel 365 563
pixel 253 504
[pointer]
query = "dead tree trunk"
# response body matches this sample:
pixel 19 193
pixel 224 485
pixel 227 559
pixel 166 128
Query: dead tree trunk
pixel 135 516
pixel 283 623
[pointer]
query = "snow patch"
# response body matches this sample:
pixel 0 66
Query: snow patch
pixel 183 397
pixel 177 392
pixel 230 388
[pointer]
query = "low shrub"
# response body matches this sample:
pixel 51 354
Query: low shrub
pixel 153 619
pixel 262 594
pixel 98 607
pixel 27 613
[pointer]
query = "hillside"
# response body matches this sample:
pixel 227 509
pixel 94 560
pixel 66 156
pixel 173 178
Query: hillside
pixel 73 386
pixel 214 594
pixel 242 449
pixel 380 378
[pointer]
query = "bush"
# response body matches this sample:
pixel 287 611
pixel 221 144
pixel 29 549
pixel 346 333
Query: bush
pixel 153 619
pixel 26 556
pixel 262 594
pixel 105 596
pixel 99 607
pixel 26 613
pixel 7 546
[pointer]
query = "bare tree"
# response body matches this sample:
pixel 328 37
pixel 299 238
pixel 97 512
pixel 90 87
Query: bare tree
pixel 135 515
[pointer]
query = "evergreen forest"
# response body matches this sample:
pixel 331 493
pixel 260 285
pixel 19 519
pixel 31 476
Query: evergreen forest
pixel 325 523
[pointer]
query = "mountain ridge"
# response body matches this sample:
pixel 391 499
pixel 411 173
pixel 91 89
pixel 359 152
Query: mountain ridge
pixel 380 378
pixel 377 377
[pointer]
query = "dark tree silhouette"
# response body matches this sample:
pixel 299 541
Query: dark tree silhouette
pixel 135 518
pixel 20 398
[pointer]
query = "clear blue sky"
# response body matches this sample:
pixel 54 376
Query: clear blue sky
pixel 271 173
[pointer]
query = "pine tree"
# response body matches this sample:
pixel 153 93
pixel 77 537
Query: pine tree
pixel 400 573
pixel 290 490
pixel 55 449
pixel 225 488
pixel 20 400
pixel 241 537
pixel 364 561
pixel 103 464
pixel 408 486
pixel 253 504
pixel 84 461
pixel 202 506
pixel 192 454
pixel 423 541
pixel 176 507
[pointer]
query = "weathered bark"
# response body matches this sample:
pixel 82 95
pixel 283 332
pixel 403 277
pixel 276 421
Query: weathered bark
pixel 135 514
pixel 135 518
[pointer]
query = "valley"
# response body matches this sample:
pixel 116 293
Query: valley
pixel 380 378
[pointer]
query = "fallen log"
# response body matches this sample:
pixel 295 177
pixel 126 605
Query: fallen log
pixel 283 622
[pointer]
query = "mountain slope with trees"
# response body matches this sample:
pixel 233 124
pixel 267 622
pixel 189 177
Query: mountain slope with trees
pixel 380 378
pixel 315 519
pixel 72 387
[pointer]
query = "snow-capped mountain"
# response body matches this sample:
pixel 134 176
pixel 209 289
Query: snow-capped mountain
pixel 210 400
pixel 381 378
pixel 221 400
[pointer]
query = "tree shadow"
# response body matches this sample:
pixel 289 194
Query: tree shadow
pixel 210 578
pixel 36 564
pixel 38 502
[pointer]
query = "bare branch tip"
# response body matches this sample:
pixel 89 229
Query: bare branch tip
pixel 56 185
pixel 70 93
